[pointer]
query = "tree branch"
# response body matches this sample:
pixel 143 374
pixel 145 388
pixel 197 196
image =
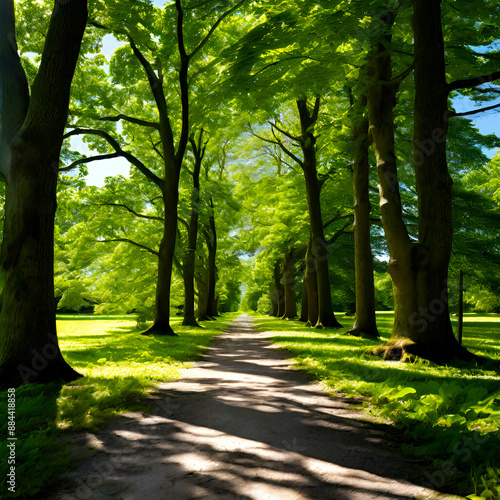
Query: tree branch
pixel 474 111
pixel 150 217
pixel 338 234
pixel 131 242
pixel 155 148
pixel 284 132
pixel 183 222
pixel 336 218
pixel 288 152
pixel 473 82
pixel 116 146
pixel 90 159
pixel 214 27
pixel 131 119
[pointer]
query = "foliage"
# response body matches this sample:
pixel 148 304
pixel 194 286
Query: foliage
pixel 448 413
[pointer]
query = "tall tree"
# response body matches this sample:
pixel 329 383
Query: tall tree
pixel 419 270
pixel 306 140
pixel 167 136
pixel 365 322
pixel 29 349
pixel 190 257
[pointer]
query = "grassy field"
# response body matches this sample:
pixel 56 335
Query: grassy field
pixel 120 368
pixel 449 413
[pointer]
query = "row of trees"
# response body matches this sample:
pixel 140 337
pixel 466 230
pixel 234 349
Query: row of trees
pixel 233 114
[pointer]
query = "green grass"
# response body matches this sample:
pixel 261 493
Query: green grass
pixel 449 413
pixel 120 368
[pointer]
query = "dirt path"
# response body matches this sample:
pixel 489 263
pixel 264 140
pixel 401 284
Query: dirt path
pixel 241 425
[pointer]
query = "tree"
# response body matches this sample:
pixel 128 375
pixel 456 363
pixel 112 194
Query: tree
pixel 190 258
pixel 365 322
pixel 167 136
pixel 29 349
pixel 419 269
pixel 306 140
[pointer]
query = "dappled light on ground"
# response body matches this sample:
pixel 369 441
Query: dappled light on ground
pixel 242 425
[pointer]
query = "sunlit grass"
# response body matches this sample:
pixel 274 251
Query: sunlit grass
pixel 439 407
pixel 120 368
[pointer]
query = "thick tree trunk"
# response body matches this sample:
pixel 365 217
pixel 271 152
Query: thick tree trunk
pixel 402 250
pixel 432 330
pixel 161 324
pixel 365 322
pixel 418 270
pixel 202 296
pixel 273 295
pixel 289 286
pixel 326 316
pixel 29 350
pixel 311 285
pixel 14 91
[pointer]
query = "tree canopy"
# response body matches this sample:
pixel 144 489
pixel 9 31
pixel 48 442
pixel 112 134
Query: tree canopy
pixel 274 147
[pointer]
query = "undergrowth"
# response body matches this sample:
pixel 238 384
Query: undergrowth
pixel 119 367
pixel 448 413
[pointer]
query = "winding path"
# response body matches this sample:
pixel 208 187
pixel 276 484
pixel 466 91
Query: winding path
pixel 242 425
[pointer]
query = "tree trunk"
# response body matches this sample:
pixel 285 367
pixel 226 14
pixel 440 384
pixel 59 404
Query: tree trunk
pixel 365 322
pixel 280 292
pixel 202 295
pixel 311 285
pixel 190 257
pixel 432 330
pixel 208 310
pixel 401 249
pixel 290 311
pixel 418 270
pixel 304 303
pixel 161 324
pixel 212 267
pixel 14 91
pixel 326 316
pixel 29 350
pixel 273 295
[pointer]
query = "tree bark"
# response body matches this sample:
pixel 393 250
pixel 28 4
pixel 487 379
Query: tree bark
pixel 402 250
pixel 190 257
pixel 311 285
pixel 14 91
pixel 212 265
pixel 304 308
pixel 290 311
pixel 29 350
pixel 365 322
pixel 273 295
pixel 432 330
pixel 418 270
pixel 161 323
pixel 326 316
pixel 207 309
pixel 278 297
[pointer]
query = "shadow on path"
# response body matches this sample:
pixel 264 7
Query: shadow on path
pixel 242 425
